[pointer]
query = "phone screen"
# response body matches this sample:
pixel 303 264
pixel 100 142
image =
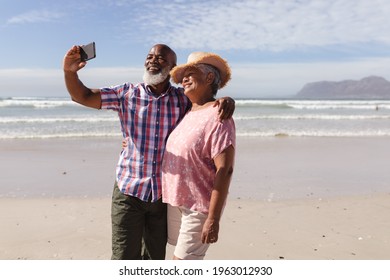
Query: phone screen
pixel 87 52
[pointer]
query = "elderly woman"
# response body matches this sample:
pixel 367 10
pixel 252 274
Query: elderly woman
pixel 198 160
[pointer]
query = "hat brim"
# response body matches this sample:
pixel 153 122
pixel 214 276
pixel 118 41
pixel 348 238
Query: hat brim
pixel 177 73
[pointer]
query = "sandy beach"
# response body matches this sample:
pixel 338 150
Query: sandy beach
pixel 290 198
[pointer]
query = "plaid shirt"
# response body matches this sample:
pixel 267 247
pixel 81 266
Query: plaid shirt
pixel 146 122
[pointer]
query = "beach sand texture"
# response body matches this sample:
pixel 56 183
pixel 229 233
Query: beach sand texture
pixel 290 198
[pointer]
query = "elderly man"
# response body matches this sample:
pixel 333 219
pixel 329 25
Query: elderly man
pixel 148 112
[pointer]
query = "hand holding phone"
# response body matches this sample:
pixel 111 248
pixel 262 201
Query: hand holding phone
pixel 87 52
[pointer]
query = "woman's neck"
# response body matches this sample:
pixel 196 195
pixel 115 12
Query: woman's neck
pixel 201 103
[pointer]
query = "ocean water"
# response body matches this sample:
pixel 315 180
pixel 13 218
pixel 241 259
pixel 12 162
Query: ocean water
pixel 25 118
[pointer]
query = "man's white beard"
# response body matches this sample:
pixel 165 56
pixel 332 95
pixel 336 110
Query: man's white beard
pixel 156 79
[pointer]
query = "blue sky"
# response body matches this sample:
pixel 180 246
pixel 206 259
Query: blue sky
pixel 273 46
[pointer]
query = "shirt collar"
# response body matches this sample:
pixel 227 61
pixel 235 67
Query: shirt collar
pixel 149 92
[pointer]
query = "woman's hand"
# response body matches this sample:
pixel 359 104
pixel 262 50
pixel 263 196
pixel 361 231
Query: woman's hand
pixel 124 143
pixel 210 231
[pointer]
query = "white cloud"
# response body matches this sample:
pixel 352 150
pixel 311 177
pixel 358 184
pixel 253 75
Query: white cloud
pixel 276 25
pixel 35 16
pixel 248 80
pixel 50 82
pixel 286 79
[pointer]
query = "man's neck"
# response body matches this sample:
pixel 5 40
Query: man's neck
pixel 159 89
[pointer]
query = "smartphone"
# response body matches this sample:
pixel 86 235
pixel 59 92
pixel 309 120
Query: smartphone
pixel 88 52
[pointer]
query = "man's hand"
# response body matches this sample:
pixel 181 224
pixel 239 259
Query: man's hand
pixel 72 60
pixel 226 107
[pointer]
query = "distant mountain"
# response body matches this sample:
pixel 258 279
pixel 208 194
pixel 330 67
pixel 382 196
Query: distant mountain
pixel 372 87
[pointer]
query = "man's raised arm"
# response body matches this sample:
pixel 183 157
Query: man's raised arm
pixel 78 91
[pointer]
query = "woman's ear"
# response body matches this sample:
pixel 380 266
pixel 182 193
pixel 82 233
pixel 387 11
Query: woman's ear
pixel 210 78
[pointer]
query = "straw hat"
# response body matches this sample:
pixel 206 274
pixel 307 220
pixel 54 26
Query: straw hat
pixel 177 73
